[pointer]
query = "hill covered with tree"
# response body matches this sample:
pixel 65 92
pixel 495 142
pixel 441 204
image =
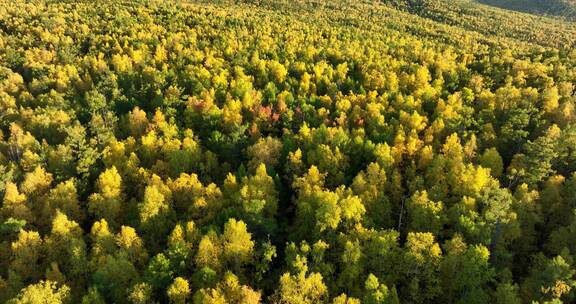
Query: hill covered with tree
pixel 492 22
pixel 286 152
pixel 560 8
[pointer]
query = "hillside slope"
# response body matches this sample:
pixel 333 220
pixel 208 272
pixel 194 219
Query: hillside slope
pixel 492 22
pixel 560 8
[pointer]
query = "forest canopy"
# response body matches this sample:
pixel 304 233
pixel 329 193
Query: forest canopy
pixel 558 8
pixel 286 152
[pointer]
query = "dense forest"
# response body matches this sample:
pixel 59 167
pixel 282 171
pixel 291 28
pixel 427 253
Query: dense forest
pixel 286 152
pixel 559 8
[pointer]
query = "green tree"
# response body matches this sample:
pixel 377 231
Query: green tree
pixel 465 272
pixel 27 252
pixel 507 293
pixel 114 276
pixel 159 272
pixel 368 185
pixel 536 163
pixel 424 214
pixel 66 247
pixel 64 197
pixel 377 293
pixel 421 268
pixel 549 279
pixel 155 216
pixel 258 194
pixel 492 160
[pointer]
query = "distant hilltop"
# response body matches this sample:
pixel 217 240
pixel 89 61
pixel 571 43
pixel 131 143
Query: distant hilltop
pixel 564 9
pixel 559 8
